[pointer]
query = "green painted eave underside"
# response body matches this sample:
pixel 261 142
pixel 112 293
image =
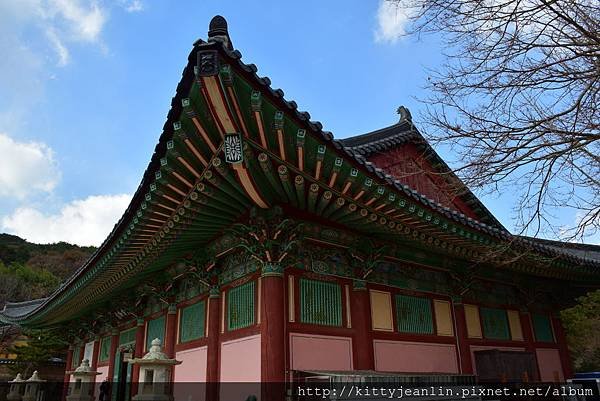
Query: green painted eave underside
pixel 134 257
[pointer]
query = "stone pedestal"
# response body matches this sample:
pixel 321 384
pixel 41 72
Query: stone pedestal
pixel 32 387
pixel 155 374
pixel 82 386
pixel 17 388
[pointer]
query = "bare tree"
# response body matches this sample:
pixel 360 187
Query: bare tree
pixel 517 99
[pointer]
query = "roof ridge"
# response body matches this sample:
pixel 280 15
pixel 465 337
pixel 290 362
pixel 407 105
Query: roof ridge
pixel 398 131
pixel 402 130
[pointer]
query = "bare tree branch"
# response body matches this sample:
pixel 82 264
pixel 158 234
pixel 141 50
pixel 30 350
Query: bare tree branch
pixel 517 99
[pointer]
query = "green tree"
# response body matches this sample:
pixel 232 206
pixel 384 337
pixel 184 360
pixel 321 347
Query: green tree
pixel 23 282
pixel 41 347
pixel 582 327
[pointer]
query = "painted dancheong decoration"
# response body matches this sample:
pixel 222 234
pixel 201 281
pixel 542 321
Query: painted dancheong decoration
pixel 233 148
pixel 254 232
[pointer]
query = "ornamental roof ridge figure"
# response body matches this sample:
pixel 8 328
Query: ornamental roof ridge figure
pixel 259 248
pixel 404 114
pixel 217 31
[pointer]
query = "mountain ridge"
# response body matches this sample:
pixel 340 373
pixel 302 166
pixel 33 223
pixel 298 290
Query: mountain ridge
pixel 29 270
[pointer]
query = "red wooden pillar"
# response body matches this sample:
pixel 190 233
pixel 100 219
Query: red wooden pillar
pixel 69 362
pixel 94 361
pixel 212 353
pixel 114 343
pixel 171 338
pixel 527 332
pixel 360 310
pixel 462 338
pixel 529 340
pixel 138 353
pixel 171 331
pixel 561 341
pixel 272 333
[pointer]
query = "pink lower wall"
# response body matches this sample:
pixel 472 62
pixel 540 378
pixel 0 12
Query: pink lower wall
pixel 312 352
pixel 549 364
pixel 486 348
pixel 189 374
pixel 193 365
pixel 241 362
pixel 413 357
pixel 103 370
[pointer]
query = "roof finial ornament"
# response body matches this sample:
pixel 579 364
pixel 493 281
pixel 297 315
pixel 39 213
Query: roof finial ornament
pixel 217 31
pixel 404 114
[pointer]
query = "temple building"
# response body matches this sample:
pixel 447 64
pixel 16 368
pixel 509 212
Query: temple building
pixel 258 248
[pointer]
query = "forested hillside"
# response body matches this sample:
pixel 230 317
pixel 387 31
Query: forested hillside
pixel 30 271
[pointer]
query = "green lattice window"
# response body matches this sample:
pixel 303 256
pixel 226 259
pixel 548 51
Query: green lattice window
pixel 542 328
pixel 76 356
pixel 320 302
pixel 413 315
pixel 240 306
pixel 104 354
pixel 191 322
pixel 155 329
pixel 495 323
pixel 127 336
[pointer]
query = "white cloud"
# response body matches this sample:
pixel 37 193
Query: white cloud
pixel 62 22
pixel 59 47
pixel 83 20
pixel 83 222
pixel 132 6
pixel 392 19
pixel 21 76
pixel 27 167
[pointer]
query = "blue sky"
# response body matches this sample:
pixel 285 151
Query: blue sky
pixel 85 86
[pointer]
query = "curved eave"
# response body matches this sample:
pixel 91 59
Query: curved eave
pixel 405 132
pixel 488 233
pixel 16 309
pixel 188 195
pixel 138 198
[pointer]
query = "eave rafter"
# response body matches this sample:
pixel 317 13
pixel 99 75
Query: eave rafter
pixel 191 192
pixel 217 88
pixel 304 177
pixel 372 209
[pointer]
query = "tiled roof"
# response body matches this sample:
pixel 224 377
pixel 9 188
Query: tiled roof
pixel 382 139
pixel 353 148
pixel 405 132
pixel 14 309
pixel 582 251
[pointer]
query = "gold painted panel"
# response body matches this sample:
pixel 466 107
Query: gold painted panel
pixel 443 318
pixel 381 310
pixel 514 322
pixel 473 322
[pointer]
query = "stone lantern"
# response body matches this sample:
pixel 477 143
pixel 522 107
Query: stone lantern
pixel 16 388
pixel 155 374
pixel 82 386
pixel 32 387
